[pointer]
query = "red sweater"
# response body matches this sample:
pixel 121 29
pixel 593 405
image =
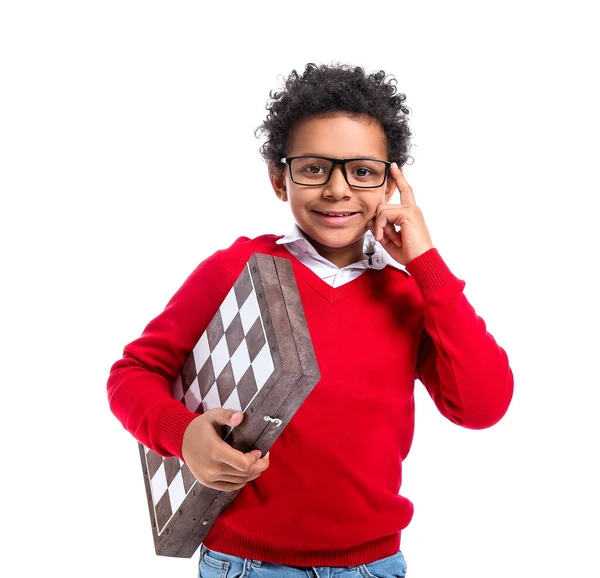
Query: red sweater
pixel 330 496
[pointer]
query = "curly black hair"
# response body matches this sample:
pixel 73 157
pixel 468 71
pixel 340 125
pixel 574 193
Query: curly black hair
pixel 332 88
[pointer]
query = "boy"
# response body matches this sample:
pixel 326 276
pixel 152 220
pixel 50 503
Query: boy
pixel 383 309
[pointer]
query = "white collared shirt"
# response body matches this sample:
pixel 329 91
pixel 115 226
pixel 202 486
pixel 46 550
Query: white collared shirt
pixel 297 244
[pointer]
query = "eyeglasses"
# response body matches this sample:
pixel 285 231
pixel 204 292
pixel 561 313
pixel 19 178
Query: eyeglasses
pixel 363 173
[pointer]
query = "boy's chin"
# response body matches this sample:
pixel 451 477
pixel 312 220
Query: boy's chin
pixel 339 239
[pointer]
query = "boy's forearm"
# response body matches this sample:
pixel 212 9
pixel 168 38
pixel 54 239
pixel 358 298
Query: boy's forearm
pixel 465 371
pixel 139 384
pixel 143 403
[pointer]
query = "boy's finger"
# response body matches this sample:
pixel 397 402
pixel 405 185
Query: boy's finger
pixel 236 459
pixel 380 223
pixel 390 234
pixel 407 196
pixel 383 224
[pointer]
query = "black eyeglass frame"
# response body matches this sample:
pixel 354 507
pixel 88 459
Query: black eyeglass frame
pixel 340 162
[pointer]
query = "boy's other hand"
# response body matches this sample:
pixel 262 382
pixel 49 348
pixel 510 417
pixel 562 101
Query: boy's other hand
pixel 413 238
pixel 212 460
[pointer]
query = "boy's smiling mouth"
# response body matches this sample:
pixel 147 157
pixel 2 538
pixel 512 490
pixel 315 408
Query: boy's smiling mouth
pixel 336 218
pixel 337 213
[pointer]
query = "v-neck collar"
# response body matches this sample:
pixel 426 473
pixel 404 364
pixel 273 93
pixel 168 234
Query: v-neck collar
pixel 331 294
pixel 296 241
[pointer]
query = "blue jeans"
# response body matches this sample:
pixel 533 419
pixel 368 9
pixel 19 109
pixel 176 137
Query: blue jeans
pixel 213 564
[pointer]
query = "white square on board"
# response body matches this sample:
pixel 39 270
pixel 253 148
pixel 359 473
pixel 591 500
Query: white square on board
pixel 220 356
pixel 176 492
pixel 249 311
pixel 229 308
pixel 158 484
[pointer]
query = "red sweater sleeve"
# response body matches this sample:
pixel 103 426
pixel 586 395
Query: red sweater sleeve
pixel 139 384
pixel 465 371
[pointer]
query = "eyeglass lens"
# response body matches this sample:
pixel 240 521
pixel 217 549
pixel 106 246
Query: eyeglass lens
pixel 361 173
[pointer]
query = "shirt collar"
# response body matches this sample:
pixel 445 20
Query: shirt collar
pixel 379 260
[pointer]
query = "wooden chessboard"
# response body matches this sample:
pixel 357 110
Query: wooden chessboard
pixel 256 355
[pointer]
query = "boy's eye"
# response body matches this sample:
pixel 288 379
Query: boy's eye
pixel 362 171
pixel 366 172
pixel 314 169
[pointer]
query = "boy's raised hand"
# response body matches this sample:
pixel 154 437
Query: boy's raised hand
pixel 212 460
pixel 413 238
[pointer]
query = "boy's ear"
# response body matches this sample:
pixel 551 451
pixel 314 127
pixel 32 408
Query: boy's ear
pixel 277 178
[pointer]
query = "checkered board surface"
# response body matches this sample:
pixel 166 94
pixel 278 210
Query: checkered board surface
pixel 228 366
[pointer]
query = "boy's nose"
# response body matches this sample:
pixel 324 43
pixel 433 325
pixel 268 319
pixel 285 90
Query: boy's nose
pixel 337 185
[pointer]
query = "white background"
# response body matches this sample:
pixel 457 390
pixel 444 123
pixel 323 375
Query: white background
pixel 114 114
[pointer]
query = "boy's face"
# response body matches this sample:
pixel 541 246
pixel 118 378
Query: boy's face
pixel 336 137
